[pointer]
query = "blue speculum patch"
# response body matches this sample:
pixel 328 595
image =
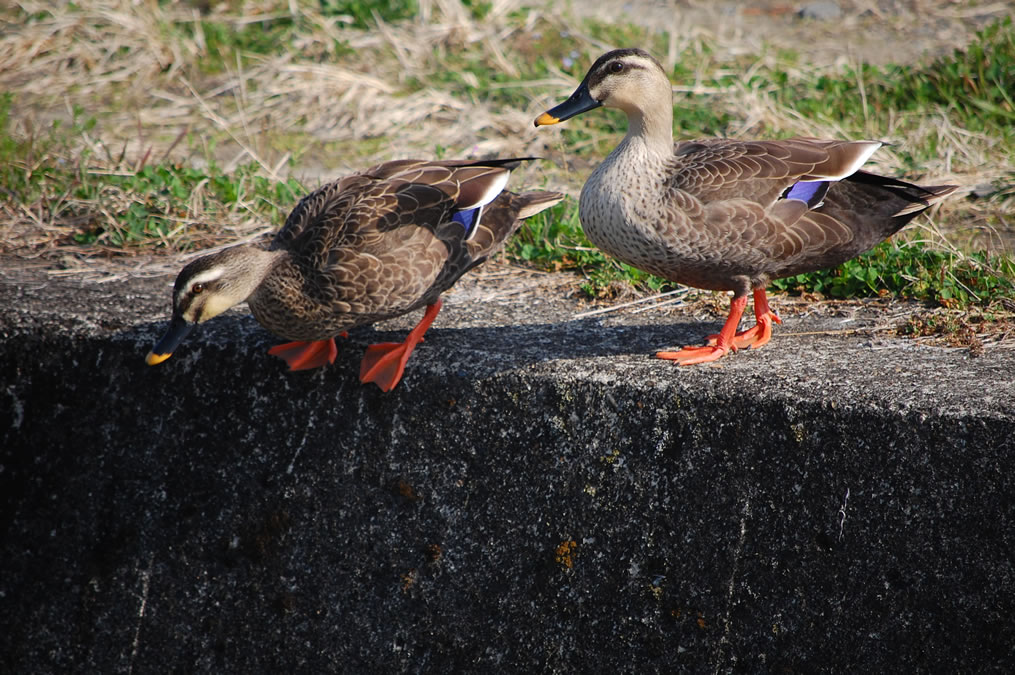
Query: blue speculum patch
pixel 811 192
pixel 467 218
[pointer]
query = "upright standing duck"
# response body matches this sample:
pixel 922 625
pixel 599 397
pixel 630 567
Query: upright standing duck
pixel 726 214
pixel 367 247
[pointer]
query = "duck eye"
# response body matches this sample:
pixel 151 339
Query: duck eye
pixel 616 67
pixel 196 288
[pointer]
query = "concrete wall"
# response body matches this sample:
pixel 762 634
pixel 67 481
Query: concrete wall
pixel 535 496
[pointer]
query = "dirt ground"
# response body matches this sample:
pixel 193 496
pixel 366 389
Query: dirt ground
pixel 873 31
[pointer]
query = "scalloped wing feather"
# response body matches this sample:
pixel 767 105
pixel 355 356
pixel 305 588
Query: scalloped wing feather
pixel 385 241
pixel 761 171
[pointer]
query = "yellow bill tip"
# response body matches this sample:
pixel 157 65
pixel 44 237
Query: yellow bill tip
pixel 546 119
pixel 153 358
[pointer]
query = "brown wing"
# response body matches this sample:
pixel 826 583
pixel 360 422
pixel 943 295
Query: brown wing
pixel 368 246
pixel 325 204
pixel 464 181
pixel 469 182
pixel 730 190
pixel 760 171
pixel 384 242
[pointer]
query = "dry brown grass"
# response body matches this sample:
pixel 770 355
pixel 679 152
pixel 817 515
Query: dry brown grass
pixel 133 66
pixel 337 98
pixel 138 69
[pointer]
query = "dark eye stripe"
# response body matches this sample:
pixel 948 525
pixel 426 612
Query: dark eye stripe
pixel 601 73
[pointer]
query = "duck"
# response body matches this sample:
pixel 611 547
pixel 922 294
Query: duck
pixel 726 214
pixel 370 246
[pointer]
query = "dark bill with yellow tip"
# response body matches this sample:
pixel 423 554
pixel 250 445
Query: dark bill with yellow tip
pixel 154 358
pixel 546 119
pixel 580 101
pixel 178 329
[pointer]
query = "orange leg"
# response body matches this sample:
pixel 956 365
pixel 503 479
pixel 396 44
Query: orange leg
pixel 307 355
pixel 723 344
pixel 760 333
pixel 384 363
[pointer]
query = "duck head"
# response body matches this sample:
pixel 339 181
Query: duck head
pixel 207 287
pixel 626 79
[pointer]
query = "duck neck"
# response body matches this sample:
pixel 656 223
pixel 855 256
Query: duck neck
pixel 255 264
pixel 653 128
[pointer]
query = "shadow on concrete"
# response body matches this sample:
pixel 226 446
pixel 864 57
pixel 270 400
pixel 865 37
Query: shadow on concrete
pixel 534 496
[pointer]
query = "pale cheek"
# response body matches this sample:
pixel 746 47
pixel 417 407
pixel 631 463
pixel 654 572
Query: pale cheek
pixel 625 103
pixel 191 313
pixel 213 306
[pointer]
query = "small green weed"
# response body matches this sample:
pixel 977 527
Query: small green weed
pixel 149 204
pixel 361 12
pixel 553 240
pixel 224 41
pixel 478 8
pixel 913 270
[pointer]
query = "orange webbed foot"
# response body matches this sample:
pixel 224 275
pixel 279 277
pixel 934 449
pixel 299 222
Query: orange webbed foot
pixel 688 356
pixel 759 334
pixel 384 362
pixel 754 337
pixel 718 346
pixel 307 355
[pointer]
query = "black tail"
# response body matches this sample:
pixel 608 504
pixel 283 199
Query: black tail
pixel 917 197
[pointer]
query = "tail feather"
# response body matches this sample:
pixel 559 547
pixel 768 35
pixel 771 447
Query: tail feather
pixel 532 203
pixel 916 197
pixel 936 193
pixel 505 214
pixel 871 208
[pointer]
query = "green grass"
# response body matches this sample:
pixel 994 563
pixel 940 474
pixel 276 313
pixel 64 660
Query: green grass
pixel 142 208
pixel 159 200
pixel 362 11
pixel 226 43
pixel 914 270
pixel 972 87
pixel 123 206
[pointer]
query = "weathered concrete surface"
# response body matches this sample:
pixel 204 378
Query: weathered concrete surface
pixel 535 496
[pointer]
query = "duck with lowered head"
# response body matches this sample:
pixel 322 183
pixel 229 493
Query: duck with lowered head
pixel 367 247
pixel 726 214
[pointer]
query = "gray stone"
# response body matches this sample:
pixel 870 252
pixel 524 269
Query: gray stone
pixel 822 10
pixel 537 495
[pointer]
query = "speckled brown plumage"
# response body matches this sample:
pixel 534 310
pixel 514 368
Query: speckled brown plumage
pixel 367 247
pixel 379 244
pixel 727 214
